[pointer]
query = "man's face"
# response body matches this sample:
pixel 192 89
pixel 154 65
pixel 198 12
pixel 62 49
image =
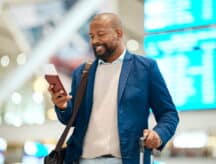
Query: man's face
pixel 104 39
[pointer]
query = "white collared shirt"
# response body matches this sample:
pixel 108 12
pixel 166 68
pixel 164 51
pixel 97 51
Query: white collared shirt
pixel 119 59
pixel 102 134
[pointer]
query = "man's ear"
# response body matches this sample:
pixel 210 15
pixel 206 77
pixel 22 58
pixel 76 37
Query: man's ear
pixel 119 33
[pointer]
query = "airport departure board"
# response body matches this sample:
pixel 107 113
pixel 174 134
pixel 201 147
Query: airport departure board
pixel 187 60
pixel 163 15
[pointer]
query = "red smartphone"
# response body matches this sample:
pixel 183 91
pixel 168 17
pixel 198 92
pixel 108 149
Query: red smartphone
pixel 56 82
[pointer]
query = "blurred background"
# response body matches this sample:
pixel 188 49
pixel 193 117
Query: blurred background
pixel 179 34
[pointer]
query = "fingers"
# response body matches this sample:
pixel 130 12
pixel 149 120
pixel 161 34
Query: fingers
pixel 152 140
pixel 61 99
pixel 58 98
pixel 58 94
pixel 50 89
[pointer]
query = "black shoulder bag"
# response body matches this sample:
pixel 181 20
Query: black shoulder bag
pixel 57 155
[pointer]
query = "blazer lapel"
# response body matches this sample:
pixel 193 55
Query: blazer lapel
pixel 126 67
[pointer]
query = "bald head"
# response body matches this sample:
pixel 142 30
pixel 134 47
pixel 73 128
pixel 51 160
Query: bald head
pixel 106 36
pixel 109 19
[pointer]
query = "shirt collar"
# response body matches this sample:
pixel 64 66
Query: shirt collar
pixel 118 60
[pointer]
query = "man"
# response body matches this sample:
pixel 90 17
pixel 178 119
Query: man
pixel 121 89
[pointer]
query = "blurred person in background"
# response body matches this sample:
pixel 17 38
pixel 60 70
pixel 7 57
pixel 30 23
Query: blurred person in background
pixel 121 89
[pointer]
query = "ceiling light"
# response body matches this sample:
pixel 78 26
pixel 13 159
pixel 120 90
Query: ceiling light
pixel 37 97
pixel 21 59
pixel 5 60
pixel 132 45
pixel 16 98
pixel 40 85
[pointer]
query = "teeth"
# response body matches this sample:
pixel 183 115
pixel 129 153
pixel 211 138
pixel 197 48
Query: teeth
pixel 98 48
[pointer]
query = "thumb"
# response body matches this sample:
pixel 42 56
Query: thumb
pixel 69 97
pixel 146 132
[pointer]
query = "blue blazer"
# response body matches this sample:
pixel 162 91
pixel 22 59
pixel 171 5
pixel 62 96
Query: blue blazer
pixel 141 87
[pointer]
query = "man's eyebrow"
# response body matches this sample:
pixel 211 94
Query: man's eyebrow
pixel 97 32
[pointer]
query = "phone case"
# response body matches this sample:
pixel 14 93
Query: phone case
pixel 55 80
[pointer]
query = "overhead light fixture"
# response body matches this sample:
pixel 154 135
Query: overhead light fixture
pixel 40 85
pixel 132 45
pixel 16 98
pixel 21 59
pixel 5 60
pixel 37 97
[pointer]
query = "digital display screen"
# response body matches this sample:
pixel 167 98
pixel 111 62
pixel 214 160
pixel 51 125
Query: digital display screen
pixel 163 15
pixel 187 61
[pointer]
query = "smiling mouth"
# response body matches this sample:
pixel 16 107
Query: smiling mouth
pixel 99 49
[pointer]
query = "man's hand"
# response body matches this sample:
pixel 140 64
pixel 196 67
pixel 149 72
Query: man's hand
pixel 58 98
pixel 152 139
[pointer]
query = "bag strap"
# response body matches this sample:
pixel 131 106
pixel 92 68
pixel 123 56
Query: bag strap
pixel 77 102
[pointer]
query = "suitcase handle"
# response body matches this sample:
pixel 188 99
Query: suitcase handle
pixel 142 148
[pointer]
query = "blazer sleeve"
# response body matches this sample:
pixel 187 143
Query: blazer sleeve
pixel 162 106
pixel 65 115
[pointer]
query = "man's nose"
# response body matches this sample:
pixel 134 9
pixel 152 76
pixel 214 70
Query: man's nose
pixel 95 40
